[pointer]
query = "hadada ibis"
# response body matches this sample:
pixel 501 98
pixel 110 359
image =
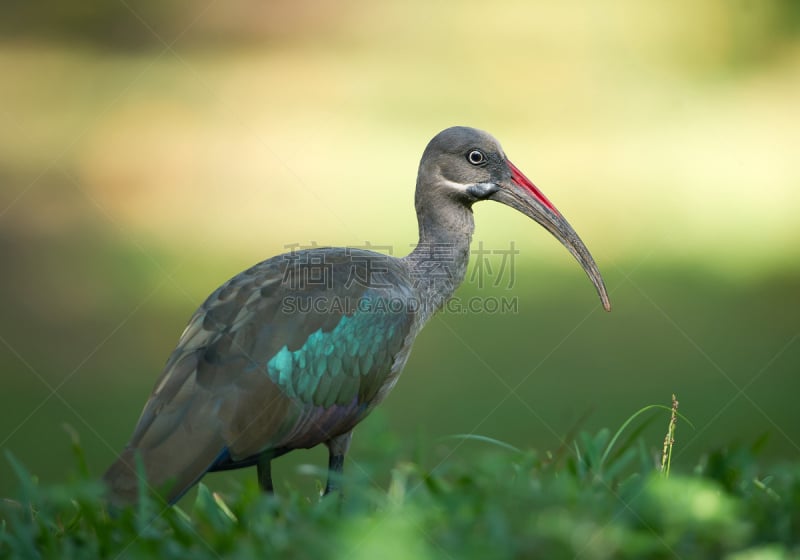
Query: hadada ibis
pixel 300 348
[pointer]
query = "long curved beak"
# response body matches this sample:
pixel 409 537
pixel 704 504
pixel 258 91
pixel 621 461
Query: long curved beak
pixel 520 193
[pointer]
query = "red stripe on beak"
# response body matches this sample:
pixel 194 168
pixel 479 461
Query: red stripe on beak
pixel 520 179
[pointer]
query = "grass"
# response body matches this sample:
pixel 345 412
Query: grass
pixel 669 439
pixel 590 499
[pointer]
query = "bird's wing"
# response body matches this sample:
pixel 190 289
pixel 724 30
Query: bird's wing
pixel 287 354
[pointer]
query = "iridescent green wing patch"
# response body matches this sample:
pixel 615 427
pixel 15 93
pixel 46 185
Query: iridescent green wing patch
pixel 354 359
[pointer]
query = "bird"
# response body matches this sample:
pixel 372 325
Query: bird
pixel 297 350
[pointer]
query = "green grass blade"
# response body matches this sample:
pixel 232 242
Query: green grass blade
pixel 484 439
pixel 630 419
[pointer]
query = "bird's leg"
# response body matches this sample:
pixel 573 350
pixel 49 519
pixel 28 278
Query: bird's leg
pixel 264 469
pixel 335 466
pixel 337 449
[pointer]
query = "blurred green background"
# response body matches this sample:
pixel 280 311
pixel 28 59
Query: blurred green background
pixel 149 152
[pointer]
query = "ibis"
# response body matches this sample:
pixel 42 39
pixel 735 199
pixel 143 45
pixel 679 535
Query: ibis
pixel 297 350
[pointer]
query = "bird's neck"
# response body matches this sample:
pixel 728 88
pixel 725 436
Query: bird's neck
pixel 438 264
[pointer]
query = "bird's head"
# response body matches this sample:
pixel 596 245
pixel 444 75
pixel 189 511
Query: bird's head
pixel 467 165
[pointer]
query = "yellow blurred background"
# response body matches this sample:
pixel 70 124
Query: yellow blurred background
pixel 148 153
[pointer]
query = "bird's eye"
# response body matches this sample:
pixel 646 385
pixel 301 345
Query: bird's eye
pixel 476 157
